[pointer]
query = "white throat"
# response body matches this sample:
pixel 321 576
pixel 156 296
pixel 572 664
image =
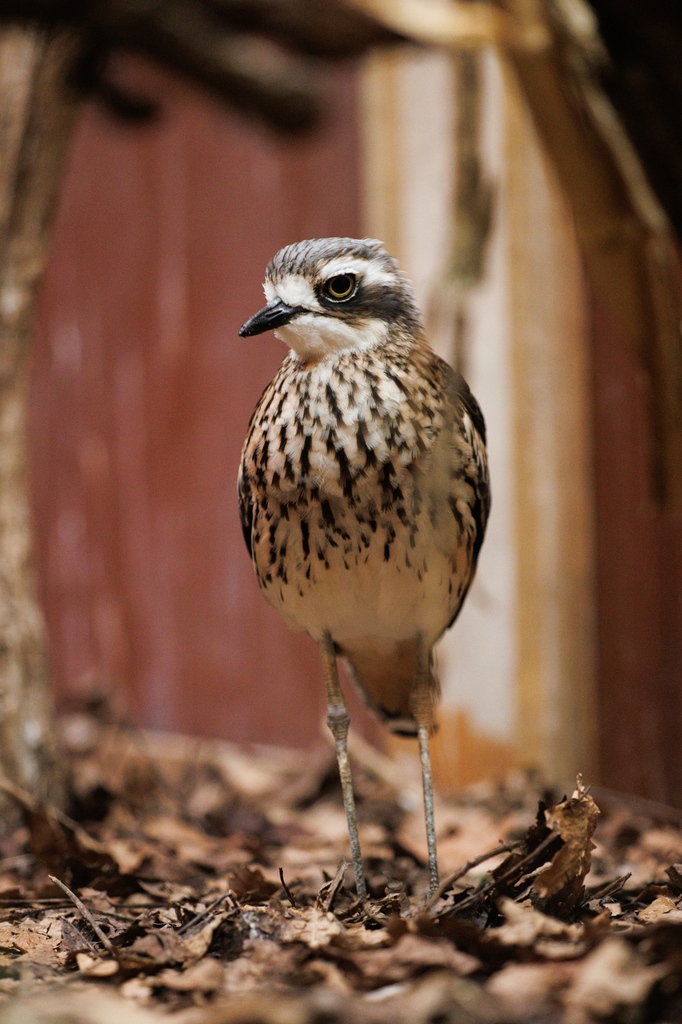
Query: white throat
pixel 313 336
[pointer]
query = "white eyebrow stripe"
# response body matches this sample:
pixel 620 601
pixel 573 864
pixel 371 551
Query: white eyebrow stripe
pixel 368 271
pixel 297 290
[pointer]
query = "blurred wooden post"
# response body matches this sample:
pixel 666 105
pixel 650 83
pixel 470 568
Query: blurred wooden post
pixel 556 667
pixel 525 352
pixel 36 120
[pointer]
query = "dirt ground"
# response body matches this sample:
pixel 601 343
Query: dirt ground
pixel 208 882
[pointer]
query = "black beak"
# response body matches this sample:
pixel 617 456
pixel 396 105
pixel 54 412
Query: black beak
pixel 275 314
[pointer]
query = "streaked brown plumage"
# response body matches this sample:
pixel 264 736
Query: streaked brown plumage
pixel 363 486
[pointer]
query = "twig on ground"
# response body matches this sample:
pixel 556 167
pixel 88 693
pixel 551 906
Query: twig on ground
pixel 33 901
pixel 87 916
pixel 331 889
pixel 481 893
pixel 193 921
pixel 287 890
pixel 610 889
pixel 466 868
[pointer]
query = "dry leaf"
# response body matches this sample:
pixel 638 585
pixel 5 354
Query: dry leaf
pixel 129 856
pixel 53 836
pixel 251 886
pixel 356 936
pixel 662 907
pixel 92 967
pixel 205 976
pixel 262 963
pixel 574 820
pixel 137 990
pixel 612 976
pixel 187 842
pixel 525 925
pixel 310 926
pixel 196 946
pixel 410 956
pixel 192 912
pixel 94 1007
pixel 530 990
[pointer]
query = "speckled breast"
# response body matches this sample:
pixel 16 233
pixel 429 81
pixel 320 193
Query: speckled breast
pixel 359 489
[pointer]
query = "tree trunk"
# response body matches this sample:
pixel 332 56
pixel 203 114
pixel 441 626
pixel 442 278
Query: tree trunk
pixel 36 121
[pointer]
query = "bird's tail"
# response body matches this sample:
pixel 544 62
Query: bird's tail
pixel 386 682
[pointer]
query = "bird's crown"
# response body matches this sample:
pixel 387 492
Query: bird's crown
pixel 327 295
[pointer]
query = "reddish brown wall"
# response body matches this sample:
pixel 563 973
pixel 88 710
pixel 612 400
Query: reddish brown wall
pixel 142 392
pixel 639 585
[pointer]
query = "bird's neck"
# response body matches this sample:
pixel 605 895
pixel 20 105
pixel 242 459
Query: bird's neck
pixel 338 339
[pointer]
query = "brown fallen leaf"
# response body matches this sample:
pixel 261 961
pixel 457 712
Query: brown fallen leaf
pixel 93 967
pixel 662 908
pixel 74 941
pixel 356 936
pixel 195 946
pixel 53 836
pixel 128 855
pixel 412 955
pixel 612 976
pixel 328 974
pixel 10 887
pixel 190 911
pixel 93 1007
pixel 186 841
pixel 263 963
pixel 574 820
pixel 250 885
pixel 531 990
pixel 548 936
pixel 30 941
pixel 312 926
pixel 663 843
pixel 205 976
pixel 138 989
pixel 154 949
pixel 443 997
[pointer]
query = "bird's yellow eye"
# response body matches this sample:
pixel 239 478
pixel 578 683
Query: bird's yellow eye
pixel 339 287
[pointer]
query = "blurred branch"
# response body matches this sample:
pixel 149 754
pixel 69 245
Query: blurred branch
pixel 250 70
pixel 258 54
pixel 456 24
pixel 472 213
pixel 474 192
pixel 35 129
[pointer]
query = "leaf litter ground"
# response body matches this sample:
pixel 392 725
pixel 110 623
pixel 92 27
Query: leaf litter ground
pixel 207 882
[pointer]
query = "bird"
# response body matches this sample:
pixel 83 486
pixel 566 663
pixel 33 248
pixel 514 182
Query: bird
pixel 363 489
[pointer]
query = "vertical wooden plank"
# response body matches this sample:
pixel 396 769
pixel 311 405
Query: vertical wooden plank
pixel 639 582
pixel 380 140
pixel 526 356
pixel 553 468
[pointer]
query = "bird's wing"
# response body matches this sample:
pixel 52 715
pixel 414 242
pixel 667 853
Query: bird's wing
pixel 464 394
pixel 473 427
pixel 244 480
pixel 245 510
pixel 471 422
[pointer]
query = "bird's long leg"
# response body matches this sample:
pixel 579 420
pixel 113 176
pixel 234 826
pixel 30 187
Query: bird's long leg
pixel 338 721
pixel 421 704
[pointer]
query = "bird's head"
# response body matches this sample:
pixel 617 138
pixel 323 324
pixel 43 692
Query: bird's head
pixel 328 295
